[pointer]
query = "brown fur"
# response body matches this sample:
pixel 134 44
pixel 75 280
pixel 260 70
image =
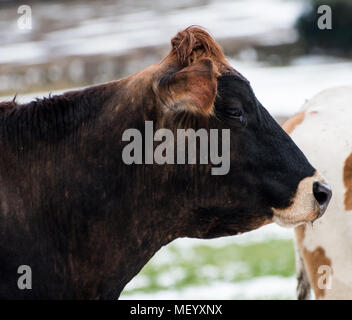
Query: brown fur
pixel 192 68
pixel 193 43
pixel 312 261
pixel 347 180
pixel 7 105
pixel 293 122
pixel 192 88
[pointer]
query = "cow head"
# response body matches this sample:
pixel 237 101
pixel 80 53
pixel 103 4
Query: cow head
pixel 269 180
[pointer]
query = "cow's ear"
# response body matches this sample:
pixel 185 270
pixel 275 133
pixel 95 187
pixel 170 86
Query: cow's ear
pixel 193 88
pixel 195 43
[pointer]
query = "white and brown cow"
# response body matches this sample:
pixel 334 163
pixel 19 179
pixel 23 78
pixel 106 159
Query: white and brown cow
pixel 324 249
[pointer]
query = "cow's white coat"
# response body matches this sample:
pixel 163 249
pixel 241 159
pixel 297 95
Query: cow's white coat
pixel 325 136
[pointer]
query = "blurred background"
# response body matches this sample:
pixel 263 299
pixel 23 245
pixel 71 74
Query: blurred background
pixel 276 44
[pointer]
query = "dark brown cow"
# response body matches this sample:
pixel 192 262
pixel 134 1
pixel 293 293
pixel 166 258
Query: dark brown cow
pixel 86 223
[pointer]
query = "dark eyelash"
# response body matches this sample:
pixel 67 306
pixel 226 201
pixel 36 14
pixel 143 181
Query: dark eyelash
pixel 234 112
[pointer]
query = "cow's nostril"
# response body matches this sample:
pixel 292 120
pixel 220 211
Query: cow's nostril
pixel 322 194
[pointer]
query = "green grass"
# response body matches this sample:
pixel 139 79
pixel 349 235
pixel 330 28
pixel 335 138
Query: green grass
pixel 203 264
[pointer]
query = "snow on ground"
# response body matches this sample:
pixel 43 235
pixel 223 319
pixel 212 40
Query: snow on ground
pixel 259 288
pixel 117 29
pixel 264 287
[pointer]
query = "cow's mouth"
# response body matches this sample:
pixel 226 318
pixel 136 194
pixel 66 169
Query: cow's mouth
pixel 309 203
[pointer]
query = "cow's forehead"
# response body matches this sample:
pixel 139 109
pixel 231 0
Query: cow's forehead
pixel 227 70
pixel 236 77
pixel 235 82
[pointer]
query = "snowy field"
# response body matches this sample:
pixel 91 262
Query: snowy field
pixel 117 26
pixel 260 288
pixel 255 265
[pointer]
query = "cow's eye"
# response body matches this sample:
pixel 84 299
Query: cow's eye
pixel 234 112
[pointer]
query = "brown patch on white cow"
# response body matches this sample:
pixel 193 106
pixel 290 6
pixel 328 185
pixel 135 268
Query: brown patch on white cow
pixel 347 180
pixel 300 232
pixel 293 122
pixel 313 260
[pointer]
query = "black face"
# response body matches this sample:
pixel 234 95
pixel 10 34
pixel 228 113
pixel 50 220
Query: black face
pixel 266 165
pixel 268 152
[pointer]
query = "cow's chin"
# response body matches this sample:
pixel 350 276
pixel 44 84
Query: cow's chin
pixel 292 221
pixel 304 207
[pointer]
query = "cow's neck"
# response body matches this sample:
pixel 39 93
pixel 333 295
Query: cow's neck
pixel 74 214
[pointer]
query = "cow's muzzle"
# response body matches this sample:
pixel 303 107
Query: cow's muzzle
pixel 309 203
